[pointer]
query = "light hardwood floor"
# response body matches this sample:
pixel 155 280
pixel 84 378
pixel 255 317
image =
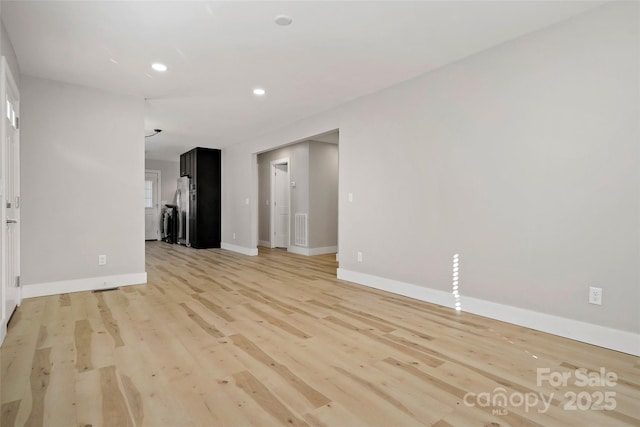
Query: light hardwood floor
pixel 221 339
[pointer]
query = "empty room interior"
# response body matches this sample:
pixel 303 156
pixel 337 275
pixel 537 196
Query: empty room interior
pixel 320 213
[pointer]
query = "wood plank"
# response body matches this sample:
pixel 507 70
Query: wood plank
pixel 40 373
pixel 368 385
pixel 60 406
pixel 215 308
pixel 210 329
pixel 9 413
pixel 267 401
pixel 314 397
pixel 282 324
pixel 82 334
pixel 110 324
pixel 65 300
pixel 134 400
pixel 114 408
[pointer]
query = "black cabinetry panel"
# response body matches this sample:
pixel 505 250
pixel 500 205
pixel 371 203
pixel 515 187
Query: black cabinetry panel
pixel 203 166
pixel 183 166
pixel 188 162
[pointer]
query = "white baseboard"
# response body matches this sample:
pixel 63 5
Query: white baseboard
pixel 312 251
pixel 323 251
pixel 239 249
pixel 79 285
pixel 3 332
pixel 614 339
pixel 297 250
pixel 264 243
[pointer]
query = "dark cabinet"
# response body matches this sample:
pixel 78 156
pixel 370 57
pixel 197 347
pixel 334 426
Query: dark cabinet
pixel 203 167
pixel 183 165
pixel 187 162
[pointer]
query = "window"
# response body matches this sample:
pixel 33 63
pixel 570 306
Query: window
pixel 148 194
pixel 11 114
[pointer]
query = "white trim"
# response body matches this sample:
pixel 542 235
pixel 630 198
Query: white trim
pixel 614 339
pixel 312 251
pixel 421 293
pixel 272 205
pixel 298 250
pixel 265 243
pixel 8 86
pixel 239 249
pixel 323 250
pixel 79 285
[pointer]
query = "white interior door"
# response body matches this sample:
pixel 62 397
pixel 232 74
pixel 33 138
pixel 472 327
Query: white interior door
pixel 152 205
pixel 281 205
pixel 9 197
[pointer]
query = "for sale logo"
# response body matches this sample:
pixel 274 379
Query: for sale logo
pixel 593 397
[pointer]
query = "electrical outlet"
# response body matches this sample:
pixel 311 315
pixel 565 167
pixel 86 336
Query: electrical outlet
pixel 234 236
pixel 102 259
pixel 595 295
pixel 359 256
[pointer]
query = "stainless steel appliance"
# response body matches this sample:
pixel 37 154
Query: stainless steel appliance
pixel 183 202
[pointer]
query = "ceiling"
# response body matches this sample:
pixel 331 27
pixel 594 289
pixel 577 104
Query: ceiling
pixel 218 52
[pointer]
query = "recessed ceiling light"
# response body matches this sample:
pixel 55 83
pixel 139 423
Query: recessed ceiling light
pixel 259 91
pixel 283 20
pixel 159 67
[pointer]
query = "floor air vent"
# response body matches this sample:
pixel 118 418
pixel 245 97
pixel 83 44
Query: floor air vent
pixel 106 290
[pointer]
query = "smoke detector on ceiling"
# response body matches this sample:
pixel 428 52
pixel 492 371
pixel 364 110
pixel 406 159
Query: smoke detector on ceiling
pixel 283 20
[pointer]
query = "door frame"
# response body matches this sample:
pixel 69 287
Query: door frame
pixel 272 205
pixel 8 84
pixel 158 199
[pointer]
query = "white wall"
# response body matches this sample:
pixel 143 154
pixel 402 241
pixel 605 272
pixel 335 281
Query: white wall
pixel 169 173
pixel 299 174
pixel 523 158
pixel 82 187
pixel 6 49
pixel 323 195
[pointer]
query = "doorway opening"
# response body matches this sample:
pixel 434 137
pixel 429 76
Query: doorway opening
pixel 297 186
pixel 152 205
